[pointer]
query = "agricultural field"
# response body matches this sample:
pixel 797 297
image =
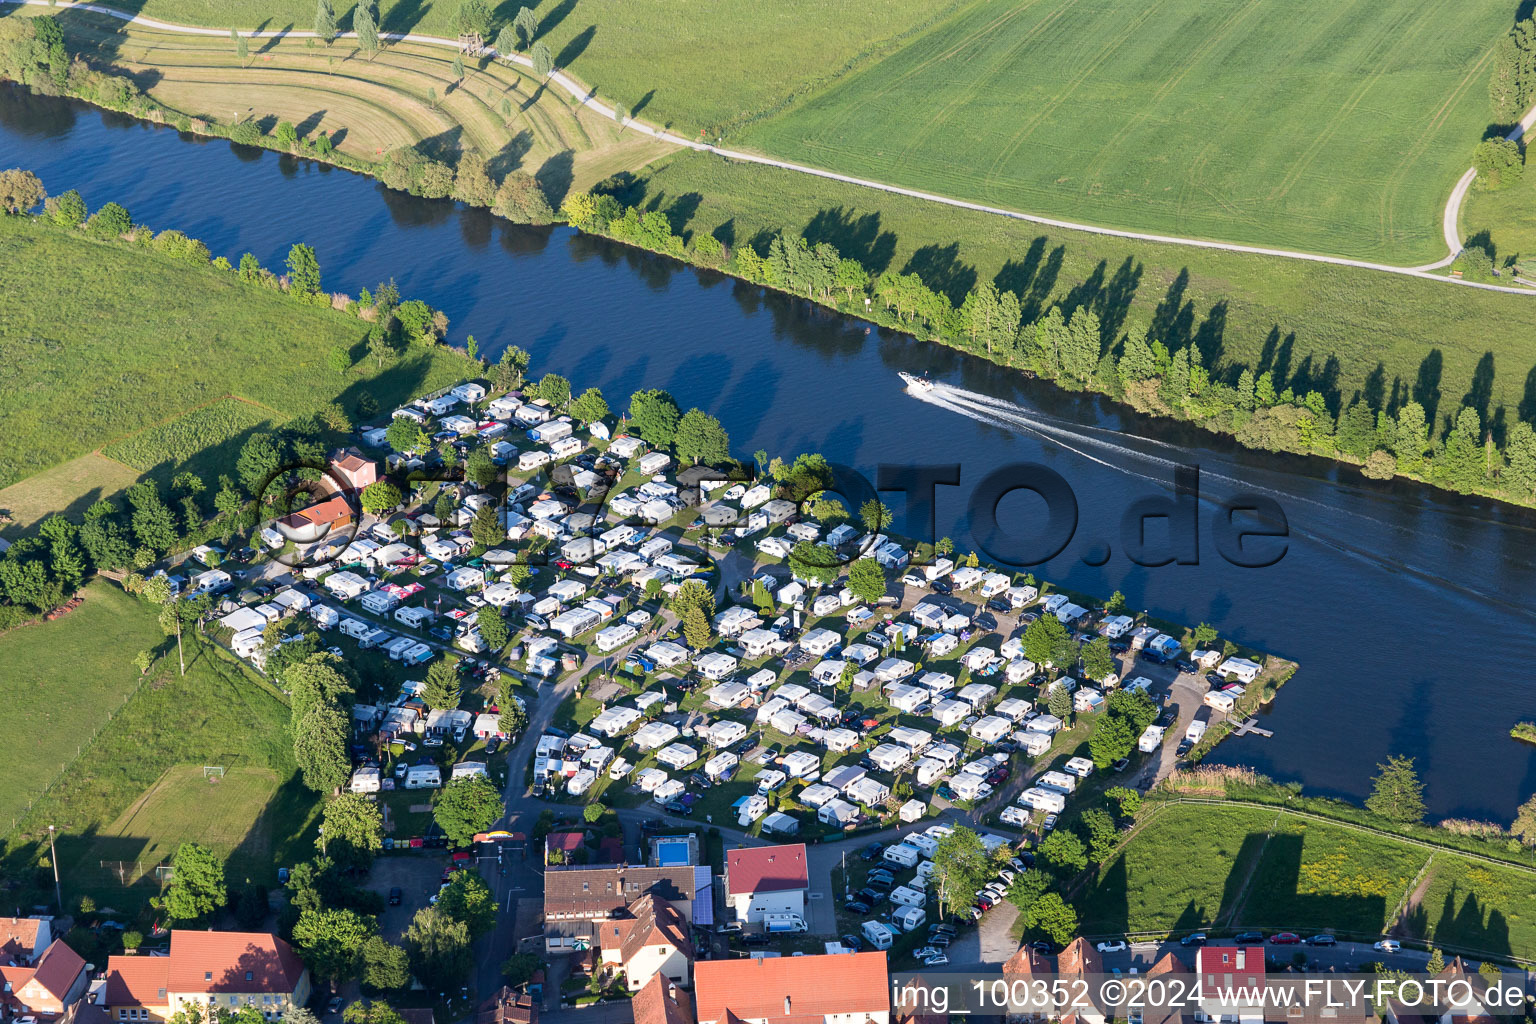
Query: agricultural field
pixel 112 339
pixel 1476 906
pixel 1342 132
pixel 407 95
pixel 188 806
pixel 1313 876
pixel 676 61
pixel 1137 892
pixel 1320 326
pixel 63 680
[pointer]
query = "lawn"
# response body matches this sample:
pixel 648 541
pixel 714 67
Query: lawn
pixel 1477 906
pixel 1313 877
pixel 224 814
pixel 1339 133
pixel 70 487
pixel 111 339
pixel 1184 866
pixel 1507 219
pixel 676 61
pixel 182 439
pixel 1314 326
pixel 217 714
pixel 63 680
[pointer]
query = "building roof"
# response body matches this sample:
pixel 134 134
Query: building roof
pixel 18 935
pixel 350 460
pixel 57 969
pixel 1028 961
pixel 1079 958
pixel 604 891
pixel 508 1007
pixel 331 510
pixel 766 869
pixel 791 989
pixel 661 1002
pixel 652 922
pixel 244 962
pixel 137 980
pixel 566 842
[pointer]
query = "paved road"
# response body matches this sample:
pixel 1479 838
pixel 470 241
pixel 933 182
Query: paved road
pixel 587 97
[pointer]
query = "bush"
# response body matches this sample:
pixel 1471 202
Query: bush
pixel 245 133
pixel 1499 163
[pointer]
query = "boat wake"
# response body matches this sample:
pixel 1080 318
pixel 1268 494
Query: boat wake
pixel 1155 467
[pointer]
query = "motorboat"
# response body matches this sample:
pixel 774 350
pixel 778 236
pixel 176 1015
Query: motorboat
pixel 919 385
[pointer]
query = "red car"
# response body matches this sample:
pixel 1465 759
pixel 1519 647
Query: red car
pixel 985 902
pixel 997 776
pixel 1285 938
pixel 561 563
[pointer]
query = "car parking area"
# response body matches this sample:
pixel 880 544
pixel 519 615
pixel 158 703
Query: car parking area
pixel 416 875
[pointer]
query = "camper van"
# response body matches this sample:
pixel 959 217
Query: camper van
pixel 909 919
pixel 423 776
pixel 783 924
pixel 1151 738
pixel 903 854
pixel 878 935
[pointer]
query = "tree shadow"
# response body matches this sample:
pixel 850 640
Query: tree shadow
pixel 1426 388
pixel 940 268
pixel 556 15
pixel 555 177
pixel 573 49
pixel 403 16
pixel 310 123
pixel 642 103
pixel 510 157
pixel 854 235
pixel 1480 394
pixel 270 42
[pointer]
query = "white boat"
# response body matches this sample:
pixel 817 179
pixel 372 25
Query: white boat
pixel 915 383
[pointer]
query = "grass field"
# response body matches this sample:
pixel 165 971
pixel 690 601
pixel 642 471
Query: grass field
pixel 180 440
pixel 184 806
pixel 70 487
pixel 1313 876
pixel 1312 324
pixel 1341 133
pixel 1477 906
pixel 678 61
pixel 1507 219
pixel 105 340
pixel 116 801
pixel 368 107
pixel 62 681
pixel 1141 890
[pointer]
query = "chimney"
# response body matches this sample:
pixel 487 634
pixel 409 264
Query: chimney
pixel 786 1006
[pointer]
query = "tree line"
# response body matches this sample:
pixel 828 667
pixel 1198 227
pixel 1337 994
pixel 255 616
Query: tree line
pixel 1073 348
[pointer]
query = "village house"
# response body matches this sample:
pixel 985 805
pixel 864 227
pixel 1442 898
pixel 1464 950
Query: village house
pixel 651 941
pixel 46 988
pixel 207 969
pixel 766 880
pixel 845 988
pixel 578 900
pixel 352 470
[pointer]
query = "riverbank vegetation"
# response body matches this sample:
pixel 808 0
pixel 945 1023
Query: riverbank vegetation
pixel 1374 370
pixel 1524 731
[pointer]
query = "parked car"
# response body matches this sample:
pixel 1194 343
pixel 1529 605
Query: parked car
pixel 395 896
pixel 871 851
pixel 1197 939
pixel 856 907
pixel 1388 946
pixel 1243 938
pixel 1049 823
pixel 1285 938
pixel 1117 946
pixel 1322 940
pixel 1120 765
pixel 938 960
pixel 941 587
pixel 925 952
pixel 852 941
pixel 997 604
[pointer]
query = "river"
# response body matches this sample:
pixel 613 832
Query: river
pixel 1408 610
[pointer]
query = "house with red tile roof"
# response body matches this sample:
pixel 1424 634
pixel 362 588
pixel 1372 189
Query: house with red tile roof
pixel 22 938
pixel 661 1002
pixel 223 970
pixel 509 1007
pixel 312 523
pixel 766 880
pixel 47 988
pixel 839 988
pixel 1225 973
pixel 349 468
pixel 652 941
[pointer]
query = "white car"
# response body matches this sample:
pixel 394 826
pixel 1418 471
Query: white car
pixel 1388 946
pixel 928 951
pixel 911 579
pixel 1112 947
pixel 936 961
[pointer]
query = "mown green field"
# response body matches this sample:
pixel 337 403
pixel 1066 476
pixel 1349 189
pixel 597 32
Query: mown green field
pixel 1340 132
pixel 691 65
pixel 1506 219
pixel 183 438
pixel 1314 325
pixel 105 339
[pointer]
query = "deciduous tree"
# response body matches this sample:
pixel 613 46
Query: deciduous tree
pixel 1396 792
pixel 465 807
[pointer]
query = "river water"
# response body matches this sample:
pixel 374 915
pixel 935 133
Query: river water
pixel 1409 611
